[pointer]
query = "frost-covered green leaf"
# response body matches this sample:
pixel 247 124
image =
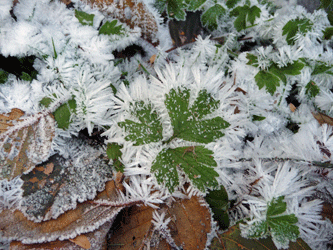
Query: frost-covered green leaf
pixel 149 127
pixel 209 17
pixel 188 122
pixel 231 3
pixel 114 154
pixel 3 76
pixel 271 77
pixel 312 89
pixel 258 118
pixel 111 28
pixel 245 14
pixel 252 60
pixel 196 162
pixel 175 8
pixel 321 68
pixel 298 25
pixel 280 226
pixel 194 4
pixel 328 33
pixel 218 202
pixel 84 18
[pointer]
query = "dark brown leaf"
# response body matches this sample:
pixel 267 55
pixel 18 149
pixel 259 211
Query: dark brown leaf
pixel 322 118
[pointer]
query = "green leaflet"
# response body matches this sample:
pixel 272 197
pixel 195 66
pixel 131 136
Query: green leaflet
pixel 328 33
pixel 175 8
pixel 209 17
pixel 280 227
pixel 312 89
pixel 231 3
pixel 244 15
pixel 110 28
pixel 194 4
pixel 218 202
pixel 84 18
pixel 149 127
pixel 293 27
pixel 114 153
pixel 258 118
pixel 321 68
pixel 63 114
pixel 196 162
pixel 188 122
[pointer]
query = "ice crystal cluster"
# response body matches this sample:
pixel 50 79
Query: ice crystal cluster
pixel 236 107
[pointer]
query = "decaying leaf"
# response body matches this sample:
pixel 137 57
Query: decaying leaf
pixel 24 141
pixel 232 239
pixel 97 240
pixel 82 241
pixel 56 185
pixel 85 218
pixel 190 222
pixel 133 13
pixel 322 118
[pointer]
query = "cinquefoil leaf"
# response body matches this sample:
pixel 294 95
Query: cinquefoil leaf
pixel 209 17
pixel 149 127
pixel 299 25
pixel 84 18
pixel 188 122
pixel 194 4
pixel 245 14
pixel 196 162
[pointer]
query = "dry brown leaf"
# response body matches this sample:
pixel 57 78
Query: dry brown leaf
pixel 85 218
pixel 82 241
pixel 327 211
pixel 189 225
pixel 24 142
pixel 152 59
pixel 322 118
pixel 140 15
pixel 292 107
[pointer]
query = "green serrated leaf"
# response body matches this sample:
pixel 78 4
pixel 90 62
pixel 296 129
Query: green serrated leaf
pixel 187 121
pixel 252 60
pixel 149 127
pixel 258 118
pixel 193 5
pixel 46 101
pixel 312 89
pixel 210 17
pixel 231 3
pixel 258 230
pixel 84 18
pixel 196 162
pixel 63 114
pixel 114 153
pixel 176 9
pixel 277 206
pixel 3 76
pixel 328 33
pixel 111 28
pixel 298 25
pixel 320 68
pixel 268 80
pixel 243 15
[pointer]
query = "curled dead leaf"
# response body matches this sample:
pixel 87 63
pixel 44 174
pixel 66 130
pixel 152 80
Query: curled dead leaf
pixel 24 142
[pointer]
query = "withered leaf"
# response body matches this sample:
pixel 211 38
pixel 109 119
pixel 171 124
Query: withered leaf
pixel 56 185
pixel 24 142
pixel 189 225
pixel 322 118
pixel 82 241
pixel 85 218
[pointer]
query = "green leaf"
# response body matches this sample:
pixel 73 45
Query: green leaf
pixel 320 68
pixel 258 118
pixel 3 76
pixel 252 60
pixel 176 9
pixel 46 101
pixel 196 162
pixel 277 206
pixel 244 15
pixel 54 50
pixel 209 17
pixel 194 4
pixel 293 27
pixel 231 3
pixel 218 202
pixel 312 89
pixel 268 80
pixel 110 28
pixel 84 18
pixel 188 122
pixel 63 114
pixel 114 154
pixel 149 127
pixel 328 33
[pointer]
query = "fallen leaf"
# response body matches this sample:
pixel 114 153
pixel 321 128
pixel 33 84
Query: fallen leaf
pixel 232 239
pixel 24 142
pixel 292 107
pixel 82 241
pixel 133 13
pixel 322 118
pixel 85 218
pixel 152 59
pixel 190 223
pixel 327 211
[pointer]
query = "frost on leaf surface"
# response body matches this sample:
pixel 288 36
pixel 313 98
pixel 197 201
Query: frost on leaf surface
pixel 211 16
pixel 280 226
pixel 196 162
pixel 149 127
pixel 299 25
pixel 24 142
pixel 56 186
pixel 188 122
pixel 245 14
